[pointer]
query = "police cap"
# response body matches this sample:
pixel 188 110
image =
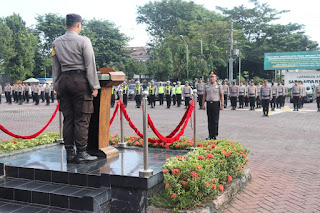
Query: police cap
pixel 137 82
pixel 168 82
pixel 73 18
pixel 212 74
pixel 179 82
pixel 152 81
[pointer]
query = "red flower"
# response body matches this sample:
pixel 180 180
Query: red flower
pixel 175 171
pixel 198 167
pixel 214 180
pixel 221 188
pixel 240 168
pixel 244 156
pixel 201 157
pixel 213 146
pixel 229 178
pixel 207 184
pixel 214 187
pixel 174 195
pixel 210 155
pixel 194 174
pixel 167 186
pixel 184 183
pixel 15 142
pixel 165 171
pixel 137 143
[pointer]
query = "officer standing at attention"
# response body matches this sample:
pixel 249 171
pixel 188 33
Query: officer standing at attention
pixel 10 93
pixel 168 92
pixel 174 100
pixel 47 92
pixel 20 93
pixel 125 93
pixel 26 92
pixel 296 95
pixel 285 94
pixel 161 93
pixel 75 80
pixel 317 95
pixel 148 89
pixel 242 93
pixel 42 92
pixel 37 91
pixel 186 92
pixel 178 93
pixel 252 94
pixel 226 93
pixel 274 89
pixel 213 95
pixel 234 94
pixel 304 94
pixel 265 97
pixel 258 99
pixel 280 95
pixel 137 93
pixel 246 96
pixel 0 93
pixel 200 91
pixel 152 94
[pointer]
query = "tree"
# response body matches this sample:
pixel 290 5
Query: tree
pixel 6 43
pixel 107 41
pixel 21 63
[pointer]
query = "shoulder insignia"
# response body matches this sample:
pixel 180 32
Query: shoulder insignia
pixel 53 53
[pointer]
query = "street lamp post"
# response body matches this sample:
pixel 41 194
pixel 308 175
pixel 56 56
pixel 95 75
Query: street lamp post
pixel 187 56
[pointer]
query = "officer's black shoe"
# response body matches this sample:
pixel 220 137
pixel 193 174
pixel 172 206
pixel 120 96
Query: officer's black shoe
pixel 70 155
pixel 82 155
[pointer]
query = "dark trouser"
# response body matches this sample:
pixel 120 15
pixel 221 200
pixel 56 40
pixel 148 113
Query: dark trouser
pixel 152 100
pixel 33 99
pixel 252 102
pixel 0 98
pixel 178 100
pixel 246 101
pixel 9 98
pixel 42 96
pixel 213 110
pixel 47 96
pixel 113 100
pixel 295 100
pixel 15 97
pixel 26 93
pixel 318 103
pixel 225 100
pixel 186 101
pixel 233 102
pixel 283 100
pixel 125 99
pixel 36 98
pixel 258 101
pixel 279 101
pixel 265 105
pixel 52 96
pixel 148 100
pixel 168 100
pixel 241 100
pixel 6 95
pixel 200 99
pixel 76 104
pixel 273 102
pixel 138 101
pixel 20 98
pixel 174 100
pixel 161 99
pixel 301 102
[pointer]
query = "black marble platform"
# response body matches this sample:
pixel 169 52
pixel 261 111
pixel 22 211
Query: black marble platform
pixel 113 185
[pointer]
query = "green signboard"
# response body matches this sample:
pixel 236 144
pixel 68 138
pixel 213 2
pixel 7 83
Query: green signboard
pixel 292 60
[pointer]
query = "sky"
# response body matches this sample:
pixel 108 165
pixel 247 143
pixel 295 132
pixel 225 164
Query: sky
pixel 123 13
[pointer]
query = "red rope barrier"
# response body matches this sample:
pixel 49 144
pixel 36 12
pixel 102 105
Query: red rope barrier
pixel 35 134
pixel 114 113
pixel 177 137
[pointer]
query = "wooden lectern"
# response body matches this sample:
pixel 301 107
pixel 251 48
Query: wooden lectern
pixel 98 137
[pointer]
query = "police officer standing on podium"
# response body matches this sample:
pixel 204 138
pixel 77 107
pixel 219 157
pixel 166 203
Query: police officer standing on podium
pixel 213 95
pixel 76 82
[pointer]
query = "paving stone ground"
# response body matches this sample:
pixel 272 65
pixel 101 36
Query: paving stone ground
pixel 284 158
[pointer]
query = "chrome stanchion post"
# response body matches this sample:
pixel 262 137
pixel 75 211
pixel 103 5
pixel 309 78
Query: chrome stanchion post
pixel 146 172
pixel 122 144
pixel 60 140
pixel 194 119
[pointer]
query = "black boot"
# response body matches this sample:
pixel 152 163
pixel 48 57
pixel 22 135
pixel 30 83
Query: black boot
pixel 82 155
pixel 70 154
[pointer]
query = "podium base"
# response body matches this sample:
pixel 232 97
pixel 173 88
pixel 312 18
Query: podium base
pixel 110 151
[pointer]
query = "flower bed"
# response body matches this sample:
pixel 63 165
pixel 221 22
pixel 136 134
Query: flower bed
pixel 17 144
pixel 202 174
